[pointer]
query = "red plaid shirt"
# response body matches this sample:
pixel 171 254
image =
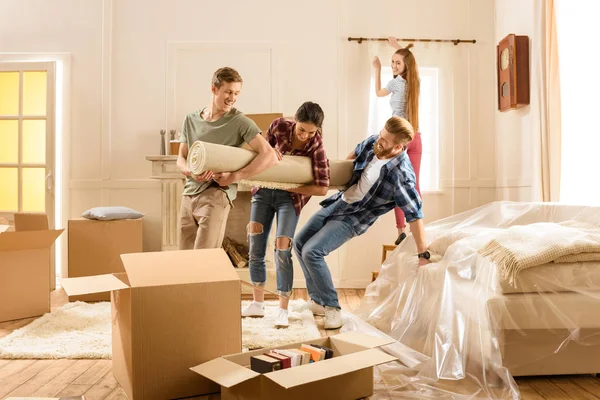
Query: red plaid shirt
pixel 280 135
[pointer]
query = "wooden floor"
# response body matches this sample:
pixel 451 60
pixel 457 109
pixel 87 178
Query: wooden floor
pixel 57 378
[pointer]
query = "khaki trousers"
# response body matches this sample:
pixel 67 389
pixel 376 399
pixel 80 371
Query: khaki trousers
pixel 202 219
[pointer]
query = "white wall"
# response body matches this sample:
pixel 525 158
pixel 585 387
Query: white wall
pixel 119 58
pixel 517 139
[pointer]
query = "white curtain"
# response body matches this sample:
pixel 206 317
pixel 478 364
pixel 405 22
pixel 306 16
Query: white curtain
pixel 548 128
pixel 578 32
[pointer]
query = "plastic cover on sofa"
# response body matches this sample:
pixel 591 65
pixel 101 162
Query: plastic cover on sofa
pixel 461 331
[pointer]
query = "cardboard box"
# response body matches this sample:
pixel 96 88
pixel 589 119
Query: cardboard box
pixel 348 375
pixel 170 310
pixel 263 121
pixel 25 267
pixel 95 248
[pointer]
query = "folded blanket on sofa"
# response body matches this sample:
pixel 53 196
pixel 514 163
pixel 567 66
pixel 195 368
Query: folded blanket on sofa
pixel 526 246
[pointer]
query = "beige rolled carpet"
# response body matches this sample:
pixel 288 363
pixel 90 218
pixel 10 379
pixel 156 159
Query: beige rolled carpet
pixel 291 172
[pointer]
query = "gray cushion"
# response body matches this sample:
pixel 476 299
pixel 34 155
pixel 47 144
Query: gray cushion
pixel 111 213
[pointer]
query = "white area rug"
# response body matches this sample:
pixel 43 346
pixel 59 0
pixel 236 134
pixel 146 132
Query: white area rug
pixel 261 332
pixel 75 330
pixel 83 330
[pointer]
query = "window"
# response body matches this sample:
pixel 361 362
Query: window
pixel 379 112
pixel 577 29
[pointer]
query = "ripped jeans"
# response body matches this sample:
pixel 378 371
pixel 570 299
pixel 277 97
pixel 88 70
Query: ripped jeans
pixel 267 203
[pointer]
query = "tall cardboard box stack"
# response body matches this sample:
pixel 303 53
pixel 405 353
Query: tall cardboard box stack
pixel 346 376
pixel 95 248
pixel 170 310
pixel 25 267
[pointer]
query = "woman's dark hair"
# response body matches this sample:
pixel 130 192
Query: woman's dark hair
pixel 310 112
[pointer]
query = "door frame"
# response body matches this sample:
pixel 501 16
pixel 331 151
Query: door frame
pixel 49 173
pixel 62 133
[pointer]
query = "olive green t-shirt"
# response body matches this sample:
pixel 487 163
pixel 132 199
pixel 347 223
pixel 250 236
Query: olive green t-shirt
pixel 232 129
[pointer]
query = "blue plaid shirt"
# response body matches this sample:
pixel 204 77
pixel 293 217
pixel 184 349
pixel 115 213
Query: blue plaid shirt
pixel 395 187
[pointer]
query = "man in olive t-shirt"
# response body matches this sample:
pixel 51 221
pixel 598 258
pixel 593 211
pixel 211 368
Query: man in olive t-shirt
pixel 207 197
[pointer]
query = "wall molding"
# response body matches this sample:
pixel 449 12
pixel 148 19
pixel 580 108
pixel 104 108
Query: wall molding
pixel 106 89
pixel 485 183
pixel 81 184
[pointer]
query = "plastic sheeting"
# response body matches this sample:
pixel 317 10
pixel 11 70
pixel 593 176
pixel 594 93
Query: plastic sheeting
pixel 462 331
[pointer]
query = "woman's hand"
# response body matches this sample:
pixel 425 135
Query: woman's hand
pixel 392 41
pixel 376 63
pixel 278 153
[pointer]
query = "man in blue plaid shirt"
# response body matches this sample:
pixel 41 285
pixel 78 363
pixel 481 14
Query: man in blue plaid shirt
pixel 383 178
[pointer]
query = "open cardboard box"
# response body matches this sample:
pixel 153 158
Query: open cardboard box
pixel 170 310
pixel 348 375
pixel 25 267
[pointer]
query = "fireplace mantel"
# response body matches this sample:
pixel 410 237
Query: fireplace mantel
pixel 165 169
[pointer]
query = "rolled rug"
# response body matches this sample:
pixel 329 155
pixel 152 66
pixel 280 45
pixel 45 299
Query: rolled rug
pixel 291 172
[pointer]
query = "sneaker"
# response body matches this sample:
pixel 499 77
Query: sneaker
pixel 315 308
pixel 255 309
pixel 333 318
pixel 401 237
pixel 282 319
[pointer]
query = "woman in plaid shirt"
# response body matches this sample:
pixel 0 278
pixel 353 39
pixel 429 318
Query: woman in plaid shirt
pixel 301 137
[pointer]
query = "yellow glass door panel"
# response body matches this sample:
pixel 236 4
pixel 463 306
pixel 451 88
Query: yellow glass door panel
pixel 9 189
pixel 9 93
pixel 34 189
pixel 9 141
pixel 33 144
pixel 27 138
pixel 34 93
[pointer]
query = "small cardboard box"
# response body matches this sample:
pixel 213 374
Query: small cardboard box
pixel 348 375
pixel 25 267
pixel 95 248
pixel 170 310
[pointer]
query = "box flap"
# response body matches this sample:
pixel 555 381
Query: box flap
pixel 361 339
pixel 31 222
pixel 92 284
pixel 300 375
pixel 224 372
pixel 28 240
pixel 178 267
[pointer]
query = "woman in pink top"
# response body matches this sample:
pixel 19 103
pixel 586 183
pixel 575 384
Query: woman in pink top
pixel 404 88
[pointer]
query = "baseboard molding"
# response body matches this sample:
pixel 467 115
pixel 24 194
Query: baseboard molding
pixel 114 184
pixel 485 183
pixel 339 284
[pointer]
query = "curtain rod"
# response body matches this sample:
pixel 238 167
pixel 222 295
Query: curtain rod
pixel 455 41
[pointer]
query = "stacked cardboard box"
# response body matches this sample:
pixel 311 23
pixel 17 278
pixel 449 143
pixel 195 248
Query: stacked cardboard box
pixel 95 248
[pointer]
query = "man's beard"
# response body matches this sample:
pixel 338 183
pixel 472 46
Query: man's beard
pixel 382 153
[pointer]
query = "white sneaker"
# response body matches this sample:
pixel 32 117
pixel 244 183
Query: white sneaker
pixel 282 319
pixel 333 318
pixel 315 308
pixel 255 309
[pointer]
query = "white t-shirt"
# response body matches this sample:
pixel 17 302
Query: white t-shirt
pixel 368 178
pixel 397 87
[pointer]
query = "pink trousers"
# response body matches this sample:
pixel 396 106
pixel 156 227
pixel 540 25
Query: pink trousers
pixel 414 151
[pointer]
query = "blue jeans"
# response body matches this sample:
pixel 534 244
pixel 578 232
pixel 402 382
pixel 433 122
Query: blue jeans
pixel 317 239
pixel 267 203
